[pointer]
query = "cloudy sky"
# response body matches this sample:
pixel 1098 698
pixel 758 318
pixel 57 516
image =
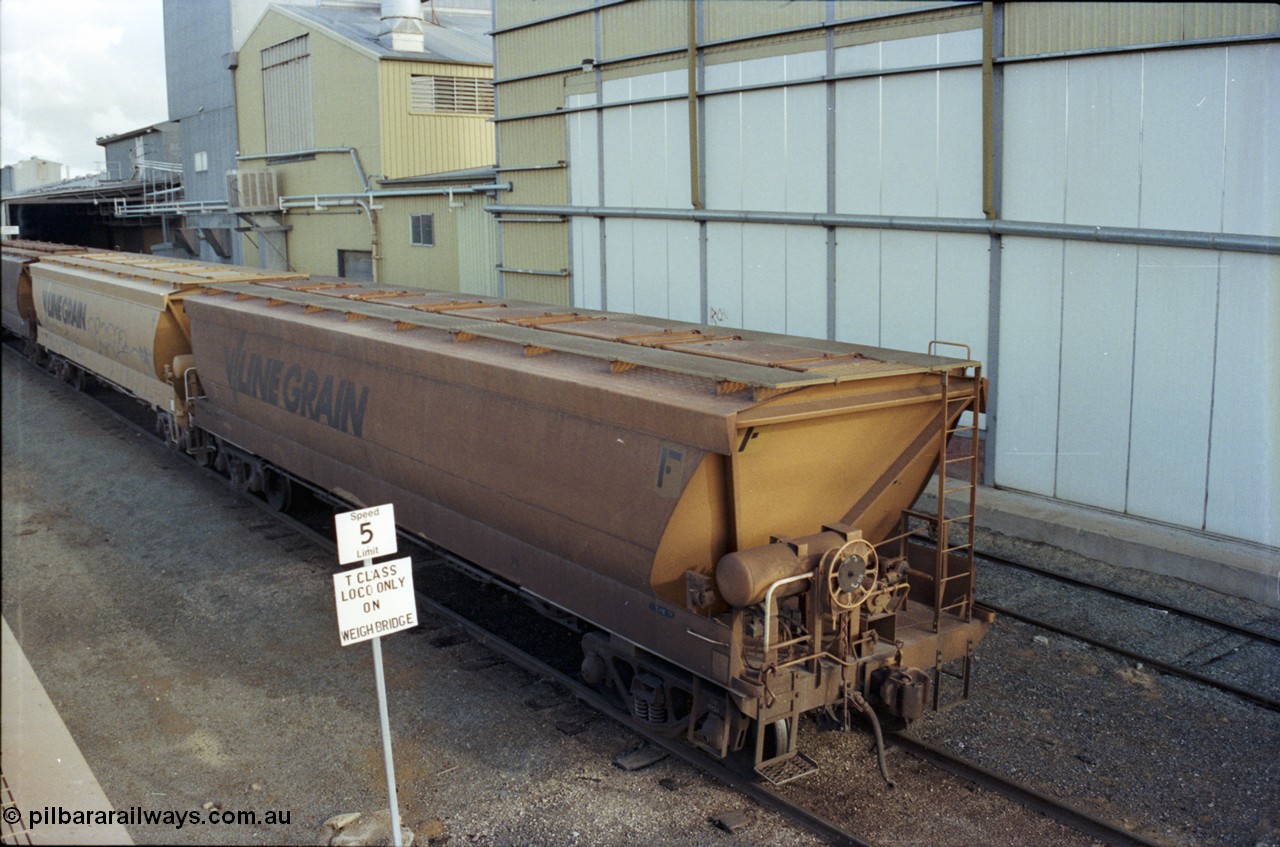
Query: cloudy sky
pixel 72 71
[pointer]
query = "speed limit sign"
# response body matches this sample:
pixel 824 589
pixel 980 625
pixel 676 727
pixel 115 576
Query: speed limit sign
pixel 365 533
pixel 373 600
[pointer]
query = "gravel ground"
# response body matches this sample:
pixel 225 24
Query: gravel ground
pixel 1148 629
pixel 1178 761
pixel 190 646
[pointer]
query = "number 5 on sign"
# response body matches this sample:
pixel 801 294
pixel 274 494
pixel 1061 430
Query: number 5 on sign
pixel 365 533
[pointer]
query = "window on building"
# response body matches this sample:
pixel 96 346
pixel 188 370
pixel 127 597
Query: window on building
pixel 286 95
pixel 457 95
pixel 202 161
pixel 422 230
pixel 355 264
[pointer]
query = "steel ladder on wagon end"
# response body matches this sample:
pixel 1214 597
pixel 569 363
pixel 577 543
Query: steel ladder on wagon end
pixel 955 558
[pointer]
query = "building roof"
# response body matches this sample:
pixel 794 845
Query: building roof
pixel 460 37
pixel 163 126
pixel 80 189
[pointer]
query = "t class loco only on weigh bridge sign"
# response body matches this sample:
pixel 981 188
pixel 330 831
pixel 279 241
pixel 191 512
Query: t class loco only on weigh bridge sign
pixel 374 600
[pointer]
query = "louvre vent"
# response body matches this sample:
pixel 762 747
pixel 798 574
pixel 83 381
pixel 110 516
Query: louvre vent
pixel 252 191
pixel 451 94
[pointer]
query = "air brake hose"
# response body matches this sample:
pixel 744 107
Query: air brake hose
pixel 865 708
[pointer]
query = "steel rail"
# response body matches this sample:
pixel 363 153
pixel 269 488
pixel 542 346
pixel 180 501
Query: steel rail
pixel 811 821
pixel 1160 665
pixel 1064 813
pixel 1258 698
pixel 1123 595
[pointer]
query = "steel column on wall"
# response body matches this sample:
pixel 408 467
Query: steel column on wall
pixel 992 185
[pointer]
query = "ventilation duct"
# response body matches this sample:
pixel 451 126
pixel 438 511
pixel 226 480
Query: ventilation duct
pixel 403 27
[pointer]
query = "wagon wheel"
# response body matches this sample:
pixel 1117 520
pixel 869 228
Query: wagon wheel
pixel 777 739
pixel 277 490
pixel 850 572
pixel 34 351
pixel 203 452
pixel 221 460
pixel 238 471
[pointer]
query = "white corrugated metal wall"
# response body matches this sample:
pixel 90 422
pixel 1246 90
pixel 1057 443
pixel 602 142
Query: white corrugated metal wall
pixel 767 151
pixel 1143 379
pixel 1138 378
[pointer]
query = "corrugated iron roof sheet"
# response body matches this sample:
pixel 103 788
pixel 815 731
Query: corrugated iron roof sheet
pixel 458 38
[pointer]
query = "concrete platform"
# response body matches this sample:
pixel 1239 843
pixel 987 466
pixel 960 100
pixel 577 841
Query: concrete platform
pixel 43 768
pixel 1229 567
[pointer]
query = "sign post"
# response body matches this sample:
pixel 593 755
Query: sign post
pixel 373 601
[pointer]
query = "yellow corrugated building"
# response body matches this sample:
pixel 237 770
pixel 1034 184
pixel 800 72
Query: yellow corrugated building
pixel 347 119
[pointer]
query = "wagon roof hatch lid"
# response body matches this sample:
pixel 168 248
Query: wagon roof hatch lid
pixel 159 270
pixel 737 360
pixel 36 249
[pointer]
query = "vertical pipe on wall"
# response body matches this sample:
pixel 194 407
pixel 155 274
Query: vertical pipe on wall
pixel 698 149
pixel 601 235
pixel 499 279
pixel 375 237
pixel 992 190
pixel 832 238
pixel 695 191
pixel 988 111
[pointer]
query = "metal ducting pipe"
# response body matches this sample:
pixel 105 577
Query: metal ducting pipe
pixel 403 28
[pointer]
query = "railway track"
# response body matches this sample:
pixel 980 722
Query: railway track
pixel 1078 819
pixel 1152 603
pixel 1205 640
pixel 314 526
pixel 527 657
pixel 521 618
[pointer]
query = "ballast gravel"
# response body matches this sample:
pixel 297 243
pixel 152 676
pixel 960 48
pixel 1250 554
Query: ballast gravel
pixel 1177 761
pixel 189 643
pixel 191 648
